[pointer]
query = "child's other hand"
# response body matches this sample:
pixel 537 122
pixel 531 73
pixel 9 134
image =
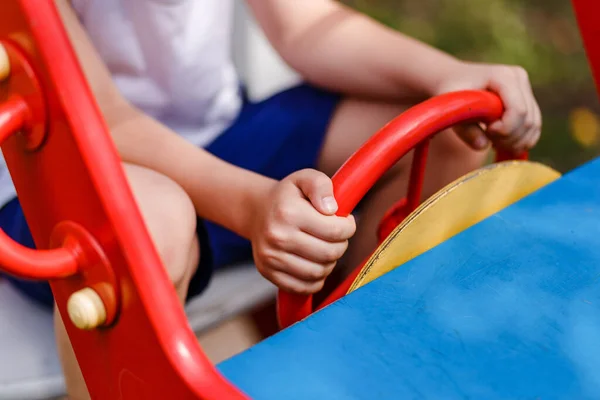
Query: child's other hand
pixel 520 126
pixel 297 238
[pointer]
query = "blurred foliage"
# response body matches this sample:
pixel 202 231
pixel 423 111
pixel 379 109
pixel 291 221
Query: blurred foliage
pixel 540 35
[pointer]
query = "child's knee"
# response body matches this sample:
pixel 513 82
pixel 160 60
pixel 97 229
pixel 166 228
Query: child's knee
pixel 171 220
pixel 175 237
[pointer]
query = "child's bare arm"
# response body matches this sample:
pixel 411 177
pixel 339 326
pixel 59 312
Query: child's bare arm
pixel 335 47
pixel 143 141
pixel 338 48
pixel 296 241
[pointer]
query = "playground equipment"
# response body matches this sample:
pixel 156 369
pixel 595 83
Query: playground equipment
pixel 411 130
pixel 112 291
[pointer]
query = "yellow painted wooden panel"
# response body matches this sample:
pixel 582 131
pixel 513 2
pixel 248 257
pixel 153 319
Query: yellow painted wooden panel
pixel 456 207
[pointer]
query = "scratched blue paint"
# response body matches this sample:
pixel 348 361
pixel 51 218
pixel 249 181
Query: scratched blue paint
pixel 509 309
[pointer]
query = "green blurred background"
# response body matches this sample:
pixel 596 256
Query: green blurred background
pixel 540 35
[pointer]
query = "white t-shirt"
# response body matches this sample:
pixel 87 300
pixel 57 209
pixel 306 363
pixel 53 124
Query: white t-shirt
pixel 171 58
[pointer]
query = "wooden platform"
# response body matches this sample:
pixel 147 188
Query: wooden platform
pixel 508 309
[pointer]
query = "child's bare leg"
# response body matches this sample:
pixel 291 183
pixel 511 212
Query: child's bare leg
pixel 353 123
pixel 174 234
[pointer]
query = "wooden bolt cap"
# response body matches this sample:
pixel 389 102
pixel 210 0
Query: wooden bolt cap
pixel 4 63
pixel 86 309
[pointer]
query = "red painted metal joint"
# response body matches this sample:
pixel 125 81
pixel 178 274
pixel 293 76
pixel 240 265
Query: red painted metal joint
pixel 16 259
pixel 94 269
pixel 23 84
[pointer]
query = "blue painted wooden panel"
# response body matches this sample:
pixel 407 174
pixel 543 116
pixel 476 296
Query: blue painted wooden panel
pixel 509 309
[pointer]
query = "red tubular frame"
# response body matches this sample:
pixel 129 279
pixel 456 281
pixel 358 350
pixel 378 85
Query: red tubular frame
pixel 16 259
pixel 78 205
pixel 410 130
pixel 365 167
pixel 26 263
pixel 417 175
pixel 13 116
pixel 587 12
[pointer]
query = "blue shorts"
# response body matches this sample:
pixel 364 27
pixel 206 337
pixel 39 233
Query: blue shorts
pixel 275 138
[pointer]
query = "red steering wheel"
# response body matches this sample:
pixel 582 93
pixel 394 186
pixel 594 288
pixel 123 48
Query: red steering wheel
pixel 410 130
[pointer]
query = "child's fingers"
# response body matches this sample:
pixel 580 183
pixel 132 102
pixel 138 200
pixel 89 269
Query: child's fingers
pixel 533 121
pixel 301 268
pixel 318 188
pixel 473 136
pixel 518 144
pixel 515 103
pixel 527 135
pixel 295 214
pixel 514 144
pixel 538 131
pixel 292 284
pixel 314 249
pixel 328 228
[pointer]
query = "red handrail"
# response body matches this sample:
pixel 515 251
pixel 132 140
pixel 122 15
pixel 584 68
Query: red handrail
pixel 410 130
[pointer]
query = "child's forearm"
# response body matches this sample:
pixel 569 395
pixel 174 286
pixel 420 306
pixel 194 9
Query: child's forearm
pixel 340 49
pixel 221 192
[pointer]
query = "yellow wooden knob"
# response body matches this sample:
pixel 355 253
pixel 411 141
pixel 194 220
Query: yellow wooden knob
pixel 86 309
pixel 4 63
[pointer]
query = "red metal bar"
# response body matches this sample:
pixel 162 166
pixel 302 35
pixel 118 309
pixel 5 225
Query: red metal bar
pixel 586 13
pixel 73 177
pixel 16 259
pixel 368 164
pixel 13 116
pixel 417 175
pixel 27 263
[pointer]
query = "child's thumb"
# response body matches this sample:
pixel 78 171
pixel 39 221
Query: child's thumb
pixel 473 135
pixel 318 188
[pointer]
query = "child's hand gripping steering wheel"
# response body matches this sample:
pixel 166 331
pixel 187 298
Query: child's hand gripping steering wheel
pixel 410 130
